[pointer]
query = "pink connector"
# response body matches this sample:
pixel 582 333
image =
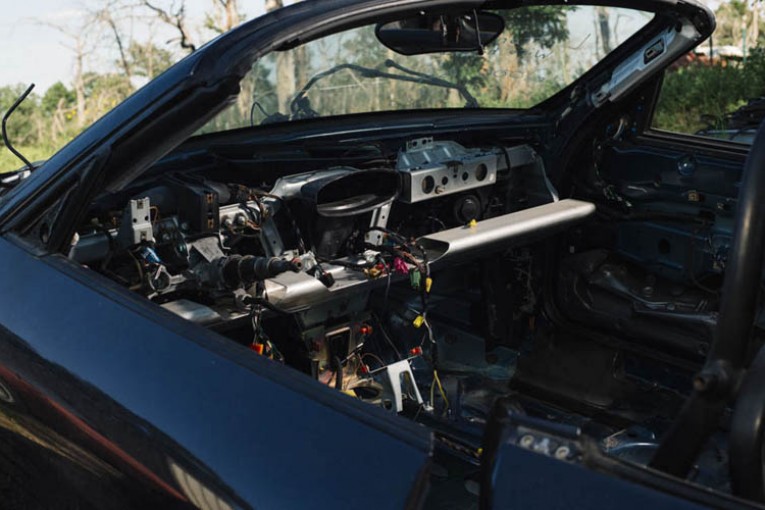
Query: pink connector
pixel 399 266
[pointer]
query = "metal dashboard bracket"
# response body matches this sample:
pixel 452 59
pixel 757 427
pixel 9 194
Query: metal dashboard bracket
pixel 400 375
pixel 432 169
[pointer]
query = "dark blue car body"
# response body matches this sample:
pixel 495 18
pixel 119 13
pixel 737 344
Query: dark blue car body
pixel 107 401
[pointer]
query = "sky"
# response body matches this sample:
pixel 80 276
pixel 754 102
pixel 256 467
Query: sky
pixel 34 52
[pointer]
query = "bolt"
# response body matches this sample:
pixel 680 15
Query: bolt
pixel 562 453
pixel 527 441
pixel 704 382
pixel 714 378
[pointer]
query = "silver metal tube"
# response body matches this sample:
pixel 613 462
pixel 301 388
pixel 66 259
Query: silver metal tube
pixel 463 243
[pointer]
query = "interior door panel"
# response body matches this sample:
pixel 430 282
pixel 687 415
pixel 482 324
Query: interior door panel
pixel 651 270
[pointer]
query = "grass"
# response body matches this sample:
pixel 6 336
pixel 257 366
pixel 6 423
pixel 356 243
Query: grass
pixel 9 162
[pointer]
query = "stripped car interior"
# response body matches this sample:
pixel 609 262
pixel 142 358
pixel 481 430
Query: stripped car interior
pixel 538 283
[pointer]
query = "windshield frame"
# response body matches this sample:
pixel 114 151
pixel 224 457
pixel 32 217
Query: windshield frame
pixel 652 21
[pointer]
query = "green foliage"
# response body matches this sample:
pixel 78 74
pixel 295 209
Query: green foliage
pixel 57 96
pixel 515 71
pixel 103 90
pixel 149 60
pixel 544 25
pixel 700 96
pixel 734 18
pixel 41 125
pixel 23 128
pixel 30 126
pixel 526 65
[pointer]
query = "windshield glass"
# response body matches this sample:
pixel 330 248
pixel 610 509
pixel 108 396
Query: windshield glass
pixel 541 51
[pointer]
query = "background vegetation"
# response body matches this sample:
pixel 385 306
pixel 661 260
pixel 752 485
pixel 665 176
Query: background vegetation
pixel 110 60
pixel 698 93
pixel 701 95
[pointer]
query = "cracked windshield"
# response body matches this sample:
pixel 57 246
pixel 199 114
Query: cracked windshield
pixel 541 50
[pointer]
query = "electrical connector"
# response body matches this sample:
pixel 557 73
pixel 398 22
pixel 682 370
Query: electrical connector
pixel 418 322
pixel 327 279
pixel 428 284
pixel 258 348
pixel 415 279
pixel 417 351
pixel 400 267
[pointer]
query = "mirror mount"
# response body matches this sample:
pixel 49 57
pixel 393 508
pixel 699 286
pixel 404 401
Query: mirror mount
pixel 478 33
pixel 429 32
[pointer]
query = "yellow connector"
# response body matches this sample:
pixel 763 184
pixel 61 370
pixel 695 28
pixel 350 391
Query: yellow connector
pixel 473 224
pixel 428 284
pixel 419 321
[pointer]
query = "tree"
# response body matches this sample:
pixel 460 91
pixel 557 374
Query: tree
pixel 107 16
pixel 104 92
pixel 23 127
pixel 603 30
pixel 272 5
pixel 175 16
pixel 57 96
pixel 544 26
pixel 82 41
pixel 285 69
pixel 58 105
pixel 737 23
pixel 148 60
pixel 224 17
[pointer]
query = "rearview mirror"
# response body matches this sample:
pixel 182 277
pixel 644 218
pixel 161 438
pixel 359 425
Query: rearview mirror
pixel 437 33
